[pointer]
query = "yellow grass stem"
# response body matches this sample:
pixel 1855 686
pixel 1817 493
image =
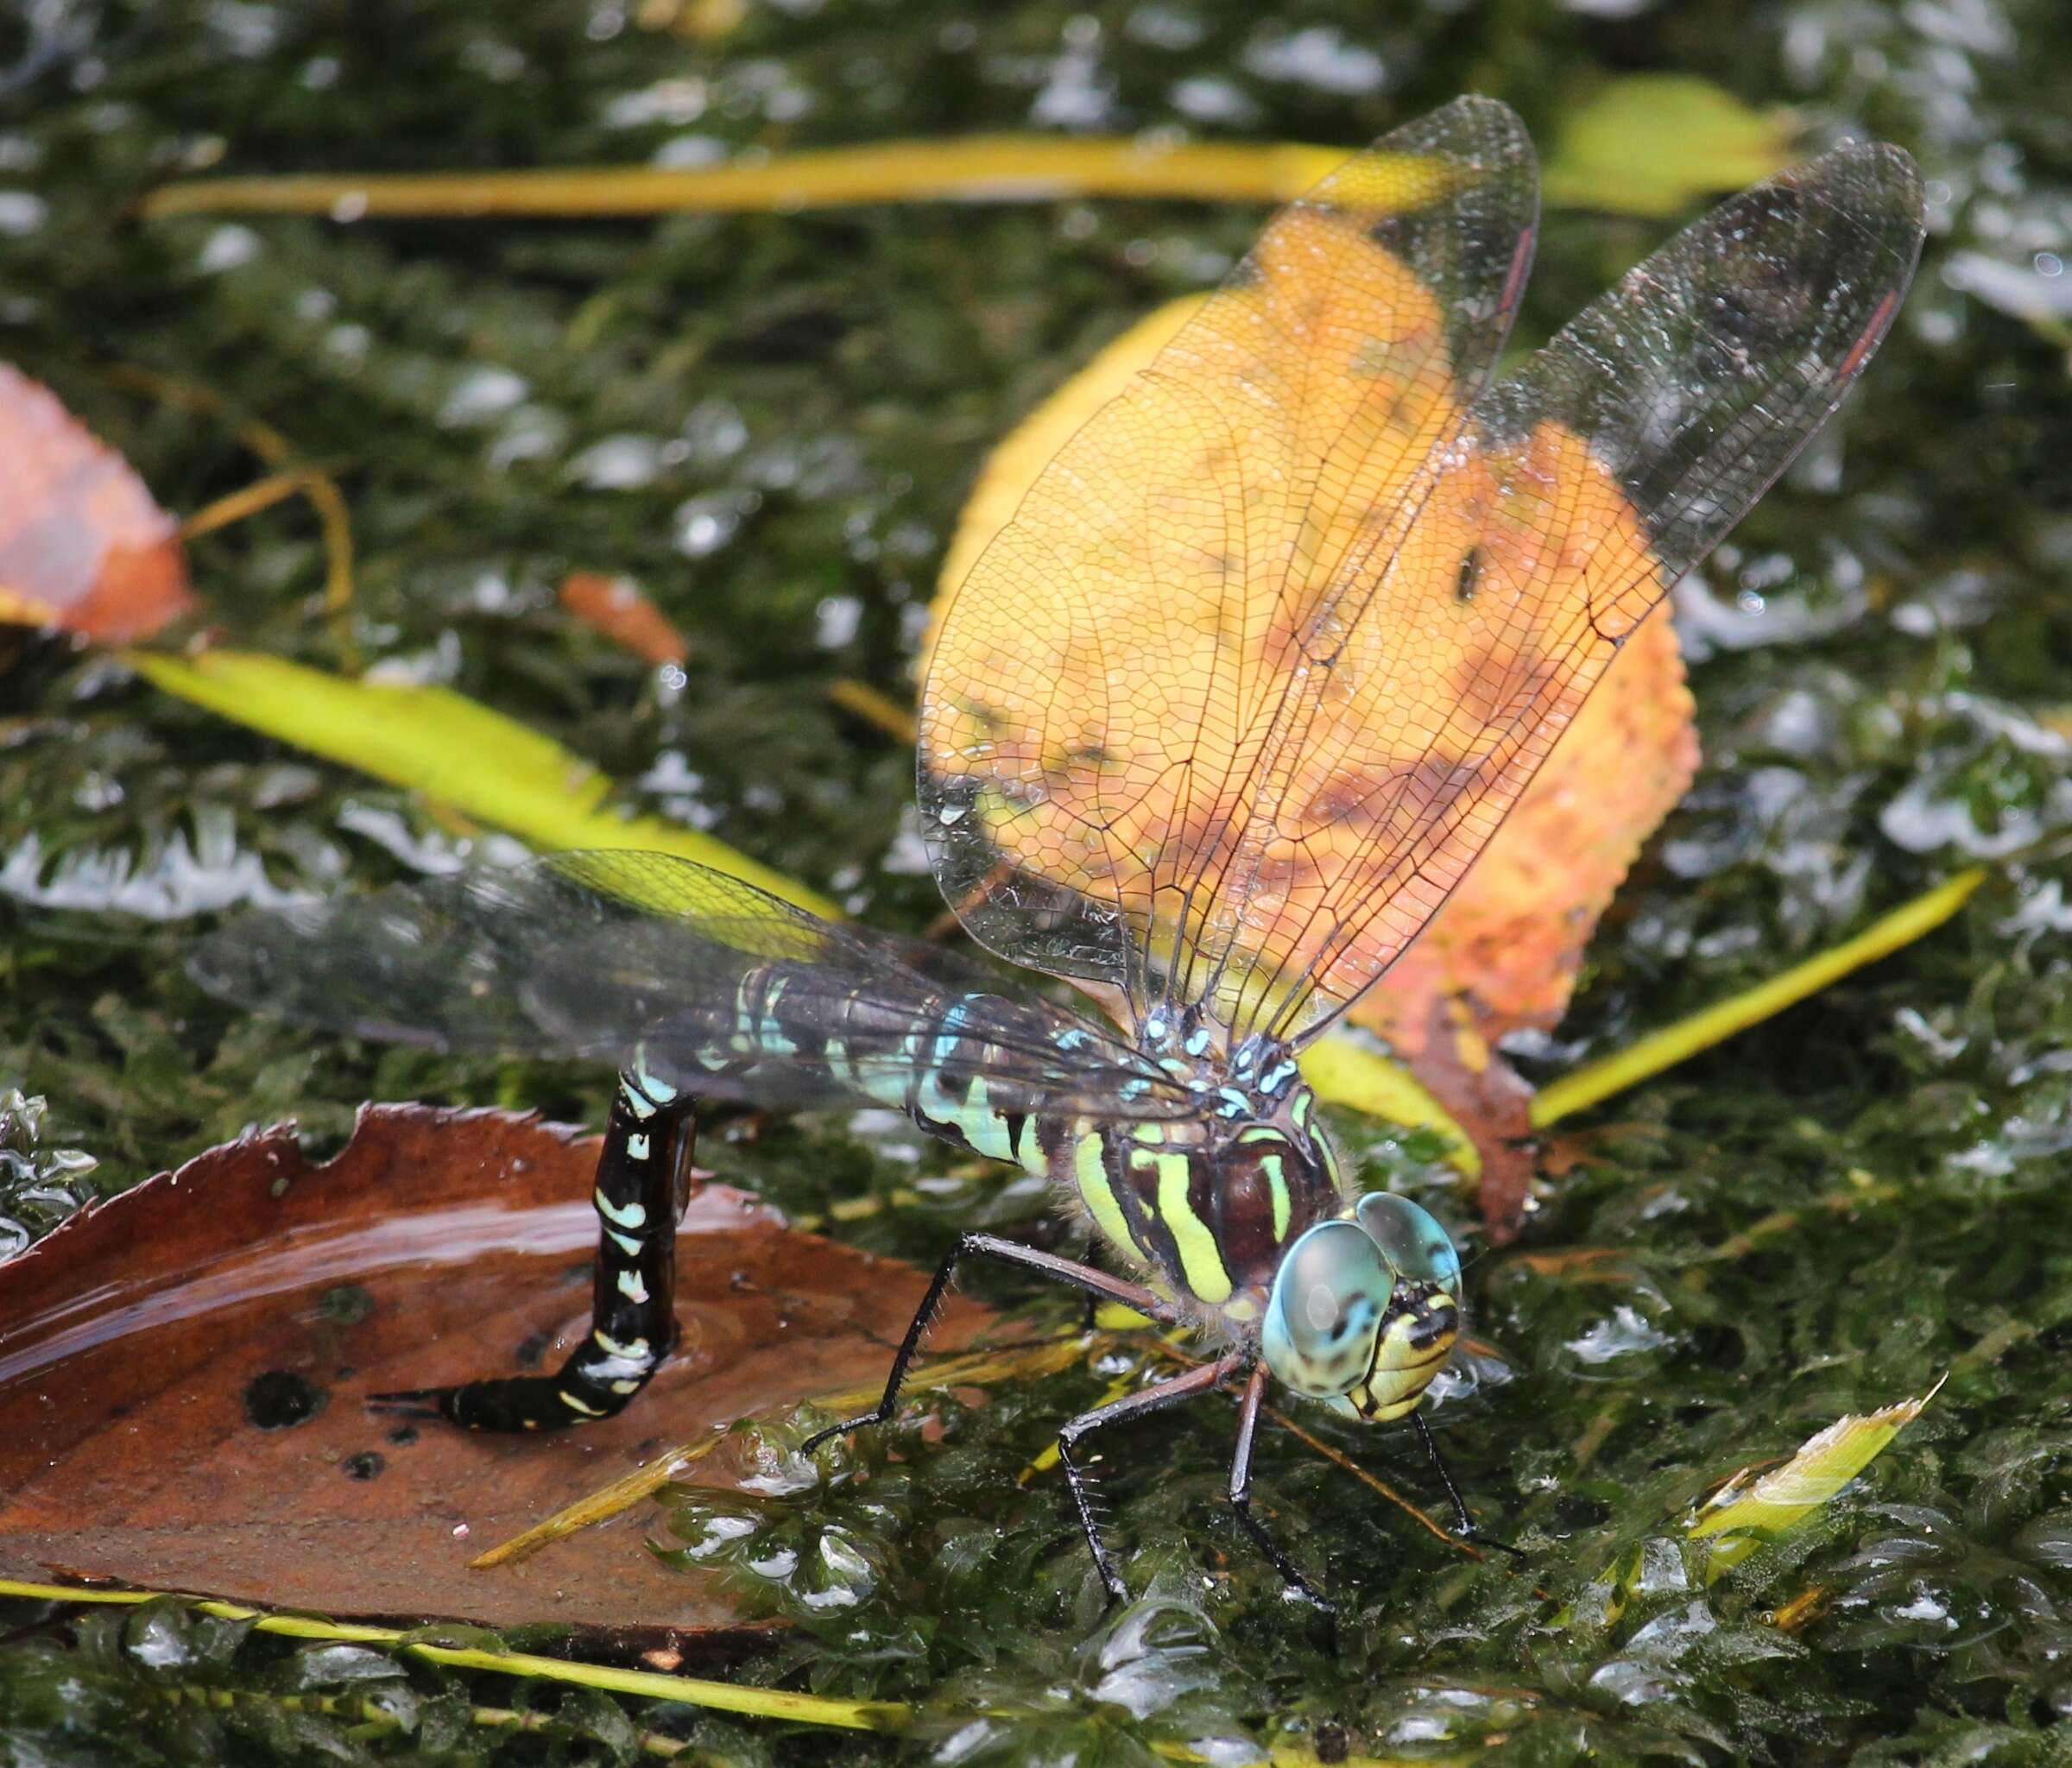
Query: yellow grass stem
pixel 1003 168
pixel 1597 1081
pixel 875 707
pixel 718 1696
pixel 237 506
pixel 276 452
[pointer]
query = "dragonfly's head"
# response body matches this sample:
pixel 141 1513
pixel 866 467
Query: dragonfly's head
pixel 1365 1309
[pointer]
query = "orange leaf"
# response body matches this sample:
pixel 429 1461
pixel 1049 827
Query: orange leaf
pixel 1503 952
pixel 615 606
pixel 83 547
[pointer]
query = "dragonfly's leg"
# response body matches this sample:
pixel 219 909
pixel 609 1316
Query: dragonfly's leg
pixel 1096 1283
pixel 1463 1523
pixel 648 1146
pixel 1241 1498
pixel 1092 1315
pixel 1148 1400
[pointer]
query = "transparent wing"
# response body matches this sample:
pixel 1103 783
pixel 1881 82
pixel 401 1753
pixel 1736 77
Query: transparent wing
pixel 1104 684
pixel 1370 731
pixel 1589 482
pixel 585 954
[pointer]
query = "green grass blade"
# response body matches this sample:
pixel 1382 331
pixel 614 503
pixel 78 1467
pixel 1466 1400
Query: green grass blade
pixel 449 747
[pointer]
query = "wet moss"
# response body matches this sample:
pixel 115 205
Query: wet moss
pixel 1826 1215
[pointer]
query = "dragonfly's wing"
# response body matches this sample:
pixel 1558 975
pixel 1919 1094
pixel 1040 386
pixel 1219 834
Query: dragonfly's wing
pixel 1589 481
pixel 1106 680
pixel 729 992
pixel 1256 770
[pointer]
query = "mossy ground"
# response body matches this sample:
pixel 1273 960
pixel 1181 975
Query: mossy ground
pixel 1826 1216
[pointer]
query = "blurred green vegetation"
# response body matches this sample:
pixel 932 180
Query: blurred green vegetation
pixel 769 422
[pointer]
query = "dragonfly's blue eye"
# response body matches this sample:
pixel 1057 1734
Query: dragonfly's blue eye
pixel 1329 1298
pixel 1411 1239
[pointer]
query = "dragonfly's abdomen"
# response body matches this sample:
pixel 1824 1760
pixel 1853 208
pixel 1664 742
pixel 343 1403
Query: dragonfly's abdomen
pixel 937 1066
pixel 1206 1203
pixel 948 1099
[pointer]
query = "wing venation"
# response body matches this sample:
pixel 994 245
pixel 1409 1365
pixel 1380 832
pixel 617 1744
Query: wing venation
pixel 1282 632
pixel 587 954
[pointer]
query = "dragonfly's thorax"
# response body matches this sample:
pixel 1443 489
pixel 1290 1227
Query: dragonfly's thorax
pixel 1209 1204
pixel 1257 1082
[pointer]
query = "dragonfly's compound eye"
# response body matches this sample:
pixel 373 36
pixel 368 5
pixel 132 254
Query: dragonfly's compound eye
pixel 1328 1298
pixel 1412 1243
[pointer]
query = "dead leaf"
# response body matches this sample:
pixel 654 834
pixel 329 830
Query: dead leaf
pixel 142 1343
pixel 615 606
pixel 83 547
pixel 1503 953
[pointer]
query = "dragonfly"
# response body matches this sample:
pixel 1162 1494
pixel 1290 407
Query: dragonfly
pixel 1209 732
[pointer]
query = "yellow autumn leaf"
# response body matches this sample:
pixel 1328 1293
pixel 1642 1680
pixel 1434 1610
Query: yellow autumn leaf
pixel 1342 1070
pixel 1655 143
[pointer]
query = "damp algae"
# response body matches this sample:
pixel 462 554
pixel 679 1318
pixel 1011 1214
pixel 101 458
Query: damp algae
pixel 768 423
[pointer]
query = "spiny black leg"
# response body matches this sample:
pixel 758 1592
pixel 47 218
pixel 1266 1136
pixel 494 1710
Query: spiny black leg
pixel 1091 1316
pixel 640 1180
pixel 1097 1284
pixel 1241 1499
pixel 1149 1399
pixel 1464 1525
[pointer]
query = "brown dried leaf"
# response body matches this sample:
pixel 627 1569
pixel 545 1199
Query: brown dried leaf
pixel 82 544
pixel 138 1341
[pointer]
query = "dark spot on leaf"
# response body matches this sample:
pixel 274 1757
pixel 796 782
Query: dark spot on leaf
pixel 403 1435
pixel 346 1302
pixel 279 1400
pixel 532 1349
pixel 366 1465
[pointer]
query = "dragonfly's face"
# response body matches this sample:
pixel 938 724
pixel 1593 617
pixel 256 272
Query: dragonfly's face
pixel 1365 1310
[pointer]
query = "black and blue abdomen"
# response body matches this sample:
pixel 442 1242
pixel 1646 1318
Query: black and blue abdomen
pixel 1207 1202
pixel 938 1061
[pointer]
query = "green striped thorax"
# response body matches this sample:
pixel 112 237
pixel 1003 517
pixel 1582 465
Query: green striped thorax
pixel 1211 1203
pixel 1365 1310
pixel 1245 1217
